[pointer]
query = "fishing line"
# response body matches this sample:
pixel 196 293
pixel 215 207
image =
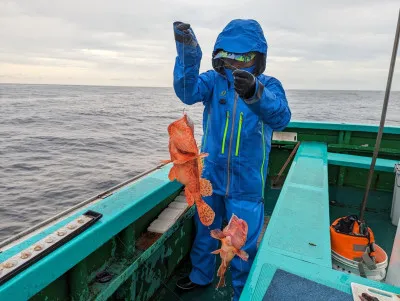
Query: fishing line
pixel 230 65
pixel 184 72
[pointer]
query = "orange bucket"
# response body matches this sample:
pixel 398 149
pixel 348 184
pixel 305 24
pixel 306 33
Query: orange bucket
pixel 351 245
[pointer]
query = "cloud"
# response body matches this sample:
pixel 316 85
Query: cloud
pixel 312 44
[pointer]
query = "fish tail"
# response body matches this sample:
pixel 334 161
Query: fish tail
pixel 205 187
pixel 206 214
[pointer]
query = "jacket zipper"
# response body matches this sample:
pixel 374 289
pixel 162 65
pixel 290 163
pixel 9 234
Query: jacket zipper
pixel 230 142
pixel 225 132
pixel 238 135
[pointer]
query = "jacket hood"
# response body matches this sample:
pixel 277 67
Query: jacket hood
pixel 241 36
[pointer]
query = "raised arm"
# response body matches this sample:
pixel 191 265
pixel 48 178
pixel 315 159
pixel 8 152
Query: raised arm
pixel 189 86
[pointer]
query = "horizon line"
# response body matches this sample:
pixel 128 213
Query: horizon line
pixel 171 87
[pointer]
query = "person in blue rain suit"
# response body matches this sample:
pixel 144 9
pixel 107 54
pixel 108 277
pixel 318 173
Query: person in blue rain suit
pixel 242 107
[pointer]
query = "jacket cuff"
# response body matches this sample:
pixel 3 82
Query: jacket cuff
pixel 257 94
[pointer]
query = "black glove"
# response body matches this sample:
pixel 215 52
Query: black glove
pixel 245 83
pixel 183 26
pixel 184 34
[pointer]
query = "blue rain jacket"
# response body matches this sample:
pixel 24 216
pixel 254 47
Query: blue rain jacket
pixel 237 133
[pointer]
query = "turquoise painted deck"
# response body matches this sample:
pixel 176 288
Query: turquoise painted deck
pixel 119 210
pixel 297 239
pixel 301 215
pixel 361 162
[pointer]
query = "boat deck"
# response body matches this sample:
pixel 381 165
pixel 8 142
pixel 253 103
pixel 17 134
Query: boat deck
pixel 302 246
pixel 169 292
pixel 300 214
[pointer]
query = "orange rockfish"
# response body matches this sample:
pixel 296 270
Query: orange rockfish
pixel 233 238
pixel 188 167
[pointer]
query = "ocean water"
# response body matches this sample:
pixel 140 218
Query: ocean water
pixel 60 145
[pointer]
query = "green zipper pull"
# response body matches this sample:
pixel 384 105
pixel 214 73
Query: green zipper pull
pixel 225 132
pixel 238 136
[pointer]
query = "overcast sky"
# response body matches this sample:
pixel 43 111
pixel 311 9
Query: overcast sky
pixel 313 44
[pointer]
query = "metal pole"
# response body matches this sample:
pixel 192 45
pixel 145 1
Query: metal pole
pixel 383 118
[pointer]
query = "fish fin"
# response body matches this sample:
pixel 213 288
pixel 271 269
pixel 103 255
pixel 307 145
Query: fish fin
pixel 187 159
pixel 217 234
pixel 189 197
pixel 200 164
pixel 205 187
pixel 206 214
pixel 216 251
pixel 172 173
pixel 183 161
pixel 166 161
pixel 202 155
pixel 242 254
